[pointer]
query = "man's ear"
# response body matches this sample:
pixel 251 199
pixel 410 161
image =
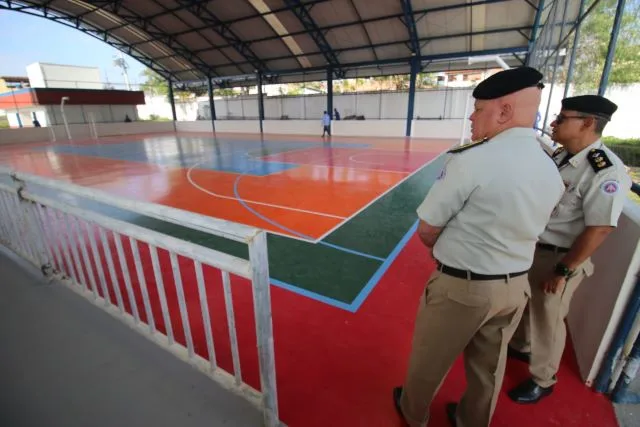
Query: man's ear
pixel 506 112
pixel 588 122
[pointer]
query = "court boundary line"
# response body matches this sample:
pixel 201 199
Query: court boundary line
pixel 364 293
pixel 214 194
pixel 390 189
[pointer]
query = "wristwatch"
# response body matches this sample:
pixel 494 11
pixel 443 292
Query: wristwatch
pixel 561 269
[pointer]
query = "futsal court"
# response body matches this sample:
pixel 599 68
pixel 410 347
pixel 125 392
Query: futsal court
pixel 345 262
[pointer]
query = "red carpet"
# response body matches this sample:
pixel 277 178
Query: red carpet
pixel 338 369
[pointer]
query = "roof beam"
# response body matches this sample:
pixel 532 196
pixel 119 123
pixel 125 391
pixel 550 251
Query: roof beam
pixel 364 28
pixel 420 12
pixel 230 22
pixel 406 60
pixel 223 29
pixel 409 21
pixel 302 13
pixel 400 42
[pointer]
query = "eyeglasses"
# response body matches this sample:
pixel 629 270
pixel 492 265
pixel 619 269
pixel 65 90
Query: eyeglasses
pixel 560 118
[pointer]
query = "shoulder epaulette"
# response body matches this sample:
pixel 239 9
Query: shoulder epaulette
pixel 598 160
pixel 558 151
pixel 464 147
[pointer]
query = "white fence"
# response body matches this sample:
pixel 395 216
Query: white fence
pixel 52 234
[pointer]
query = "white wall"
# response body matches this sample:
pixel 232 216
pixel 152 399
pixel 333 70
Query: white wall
pixel 238 126
pixel 440 128
pixel 198 126
pixel 600 300
pixel 294 127
pixel 368 127
pixel 9 136
pixel 64 76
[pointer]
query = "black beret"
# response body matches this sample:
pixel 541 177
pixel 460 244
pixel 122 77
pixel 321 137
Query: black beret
pixel 506 82
pixel 590 104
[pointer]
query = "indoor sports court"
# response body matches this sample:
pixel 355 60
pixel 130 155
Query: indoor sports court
pixel 204 210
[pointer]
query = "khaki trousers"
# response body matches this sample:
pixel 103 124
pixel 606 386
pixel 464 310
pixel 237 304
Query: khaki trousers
pixel 455 316
pixel 542 331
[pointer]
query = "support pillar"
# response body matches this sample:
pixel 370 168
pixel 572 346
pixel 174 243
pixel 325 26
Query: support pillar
pixel 212 106
pixel 172 100
pixel 330 92
pixel 415 65
pixel 260 101
pixel 604 79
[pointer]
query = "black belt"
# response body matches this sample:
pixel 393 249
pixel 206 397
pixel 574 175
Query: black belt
pixel 553 248
pixel 465 274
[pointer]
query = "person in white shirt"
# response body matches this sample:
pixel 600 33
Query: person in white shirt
pixel 482 218
pixel 596 186
pixel 326 124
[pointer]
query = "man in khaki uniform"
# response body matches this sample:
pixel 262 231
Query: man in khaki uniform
pixel 596 188
pixel 482 217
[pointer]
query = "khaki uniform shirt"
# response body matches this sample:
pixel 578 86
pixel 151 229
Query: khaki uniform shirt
pixel 596 187
pixel 494 201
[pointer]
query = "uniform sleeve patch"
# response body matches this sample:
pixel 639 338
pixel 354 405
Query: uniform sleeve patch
pixel 610 187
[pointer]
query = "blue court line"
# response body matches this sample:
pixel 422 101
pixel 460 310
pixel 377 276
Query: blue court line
pixel 282 227
pixel 366 291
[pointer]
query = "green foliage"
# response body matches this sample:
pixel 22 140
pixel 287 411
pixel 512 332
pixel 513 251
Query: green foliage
pixel 612 140
pixel 594 42
pixel 4 122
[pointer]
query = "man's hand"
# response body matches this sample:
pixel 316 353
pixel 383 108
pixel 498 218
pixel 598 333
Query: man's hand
pixel 554 284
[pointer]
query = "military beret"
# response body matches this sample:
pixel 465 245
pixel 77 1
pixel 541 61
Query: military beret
pixel 590 104
pixel 506 82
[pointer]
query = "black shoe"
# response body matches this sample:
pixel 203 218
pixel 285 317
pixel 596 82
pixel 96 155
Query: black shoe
pixel 529 392
pixel 518 355
pixel 451 413
pixel 397 394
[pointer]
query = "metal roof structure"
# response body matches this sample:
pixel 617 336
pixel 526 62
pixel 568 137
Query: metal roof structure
pixel 299 40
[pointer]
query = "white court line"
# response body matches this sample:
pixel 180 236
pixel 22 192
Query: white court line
pixel 381 195
pixel 254 202
pixel 352 158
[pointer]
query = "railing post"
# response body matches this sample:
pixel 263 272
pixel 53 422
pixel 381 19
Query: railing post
pixel 258 257
pixel 32 230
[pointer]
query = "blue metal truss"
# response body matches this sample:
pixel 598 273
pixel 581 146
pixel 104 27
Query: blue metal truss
pixel 410 22
pixel 302 13
pixel 222 28
pixel 423 40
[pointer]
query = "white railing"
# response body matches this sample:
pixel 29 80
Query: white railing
pixel 63 240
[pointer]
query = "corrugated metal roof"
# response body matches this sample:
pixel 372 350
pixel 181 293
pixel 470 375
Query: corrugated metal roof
pixel 299 39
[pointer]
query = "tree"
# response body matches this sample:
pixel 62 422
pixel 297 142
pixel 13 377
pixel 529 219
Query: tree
pixel 154 84
pixel 594 42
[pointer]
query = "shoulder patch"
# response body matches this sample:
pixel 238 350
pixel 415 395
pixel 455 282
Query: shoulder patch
pixel 598 160
pixel 467 146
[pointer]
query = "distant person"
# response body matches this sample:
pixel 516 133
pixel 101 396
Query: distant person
pixel 127 119
pixel 326 123
pixel 36 123
pixel 336 114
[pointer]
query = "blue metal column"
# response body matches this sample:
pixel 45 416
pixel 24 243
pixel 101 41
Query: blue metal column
pixel 574 49
pixel 330 91
pixel 260 101
pixel 172 100
pixel 603 380
pixel 612 48
pixel 534 32
pixel 212 106
pixel 415 64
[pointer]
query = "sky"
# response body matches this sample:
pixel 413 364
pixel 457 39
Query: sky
pixel 27 39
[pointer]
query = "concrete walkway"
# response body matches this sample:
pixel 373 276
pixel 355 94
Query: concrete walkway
pixel 65 362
